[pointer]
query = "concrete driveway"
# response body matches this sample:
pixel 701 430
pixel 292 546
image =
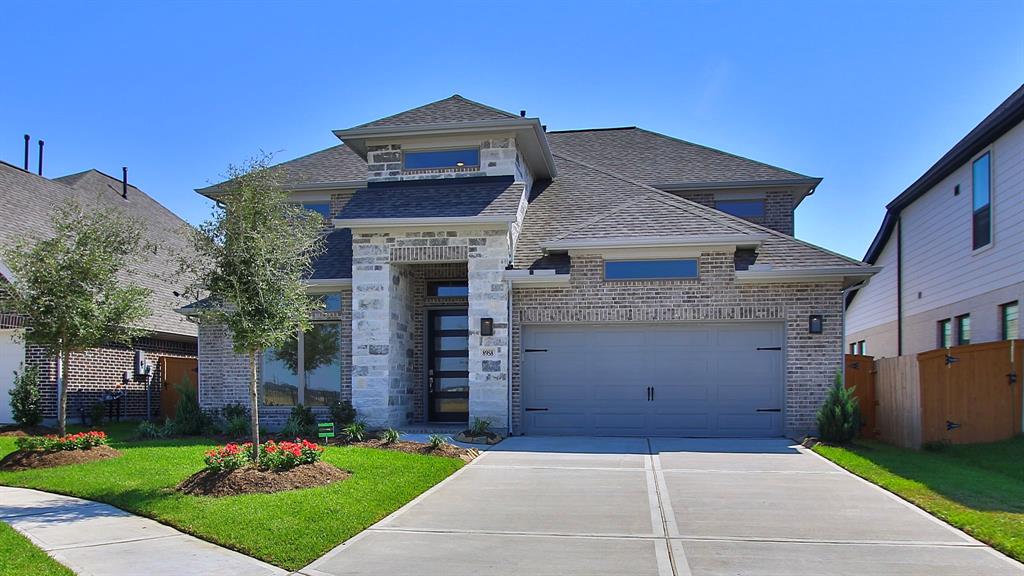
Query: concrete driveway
pixel 617 506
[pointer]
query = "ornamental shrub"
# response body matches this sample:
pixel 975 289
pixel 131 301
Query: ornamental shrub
pixel 54 443
pixel 342 413
pixel 390 436
pixel 189 418
pixel 436 441
pixel 355 432
pixel 301 422
pixel 25 402
pixel 839 416
pixel 276 456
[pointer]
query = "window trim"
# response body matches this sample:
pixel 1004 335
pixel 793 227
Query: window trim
pixel 442 168
pixel 942 326
pixel 1004 328
pixel 606 261
pixel 958 325
pixel 991 185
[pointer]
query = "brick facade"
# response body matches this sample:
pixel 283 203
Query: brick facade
pixel 811 359
pixel 99 370
pixel 778 208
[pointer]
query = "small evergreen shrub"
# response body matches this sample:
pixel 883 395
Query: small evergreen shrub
pixel 355 432
pixel 301 422
pixel 839 416
pixel 25 402
pixel 390 436
pixel 436 441
pixel 236 420
pixel 342 413
pixel 96 413
pixel 189 419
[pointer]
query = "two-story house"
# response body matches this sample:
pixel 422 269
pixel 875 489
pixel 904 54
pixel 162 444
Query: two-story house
pixel 951 249
pixel 600 282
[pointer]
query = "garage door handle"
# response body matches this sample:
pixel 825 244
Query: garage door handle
pixel 536 350
pixel 769 348
pixel 536 409
pixel 769 409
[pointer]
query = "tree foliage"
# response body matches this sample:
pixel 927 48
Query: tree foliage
pixel 72 286
pixel 249 262
pixel 26 403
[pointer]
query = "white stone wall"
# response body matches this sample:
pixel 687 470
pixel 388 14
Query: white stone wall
pixel 498 157
pixel 489 369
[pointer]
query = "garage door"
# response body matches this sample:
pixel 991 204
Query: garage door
pixel 12 354
pixel 653 379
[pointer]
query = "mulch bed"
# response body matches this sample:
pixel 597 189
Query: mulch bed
pixel 445 450
pixel 31 459
pixel 251 480
pixel 15 430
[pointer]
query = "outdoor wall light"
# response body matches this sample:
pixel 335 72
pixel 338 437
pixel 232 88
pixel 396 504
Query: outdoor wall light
pixel 814 323
pixel 487 326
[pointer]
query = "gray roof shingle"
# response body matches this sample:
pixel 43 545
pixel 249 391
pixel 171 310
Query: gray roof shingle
pixel 336 261
pixel 651 158
pixel 496 196
pixel 25 212
pixel 455 108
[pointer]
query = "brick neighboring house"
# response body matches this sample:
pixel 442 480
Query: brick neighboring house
pixel 26 201
pixel 608 282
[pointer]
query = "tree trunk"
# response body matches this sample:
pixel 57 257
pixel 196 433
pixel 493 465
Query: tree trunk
pixel 254 410
pixel 64 357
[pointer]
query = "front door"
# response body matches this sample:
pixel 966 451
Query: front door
pixel 448 365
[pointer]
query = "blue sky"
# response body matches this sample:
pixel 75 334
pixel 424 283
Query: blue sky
pixel 866 95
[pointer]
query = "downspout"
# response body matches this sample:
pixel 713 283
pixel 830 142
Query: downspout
pixel 899 286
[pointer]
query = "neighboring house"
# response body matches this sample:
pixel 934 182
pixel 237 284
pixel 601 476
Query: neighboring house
pixel 577 282
pixel 951 248
pixel 26 204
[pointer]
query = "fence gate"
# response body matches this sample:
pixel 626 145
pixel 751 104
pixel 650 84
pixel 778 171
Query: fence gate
pixel 860 374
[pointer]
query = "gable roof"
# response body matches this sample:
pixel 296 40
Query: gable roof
pixel 600 212
pixel 1007 115
pixel 337 166
pixel 25 212
pixel 454 108
pixel 662 161
pixel 452 198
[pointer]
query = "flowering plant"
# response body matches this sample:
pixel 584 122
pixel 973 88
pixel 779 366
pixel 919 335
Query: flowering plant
pixel 52 442
pixel 273 455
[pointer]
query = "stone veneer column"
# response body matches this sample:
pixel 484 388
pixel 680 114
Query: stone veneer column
pixel 371 330
pixel 488 355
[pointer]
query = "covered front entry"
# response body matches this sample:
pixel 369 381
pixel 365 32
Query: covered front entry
pixel 654 379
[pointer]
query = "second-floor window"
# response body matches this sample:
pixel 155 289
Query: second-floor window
pixel 981 190
pixel 684 268
pixel 945 333
pixel 440 159
pixel 742 208
pixel 963 330
pixel 321 208
pixel 1009 316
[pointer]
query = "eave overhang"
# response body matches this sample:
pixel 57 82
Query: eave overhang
pixel 536 278
pixel 529 133
pixel 803 186
pixel 850 275
pixel 730 240
pixel 489 221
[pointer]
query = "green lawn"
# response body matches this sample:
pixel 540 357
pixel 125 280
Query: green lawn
pixel 977 488
pixel 21 557
pixel 288 529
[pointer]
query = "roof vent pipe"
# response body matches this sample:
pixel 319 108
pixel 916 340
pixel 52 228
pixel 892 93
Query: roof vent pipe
pixel 522 113
pixel 27 138
pixel 124 182
pixel 544 127
pixel 40 158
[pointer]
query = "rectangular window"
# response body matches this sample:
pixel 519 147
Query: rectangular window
pixel 981 191
pixel 321 208
pixel 650 269
pixel 280 375
pixel 945 333
pixel 448 289
pixel 331 302
pixel 963 330
pixel 863 347
pixel 441 159
pixel 1010 320
pixel 741 208
pixel 853 348
pixel 313 358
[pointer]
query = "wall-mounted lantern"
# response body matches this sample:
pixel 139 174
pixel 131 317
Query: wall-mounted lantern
pixel 814 323
pixel 487 326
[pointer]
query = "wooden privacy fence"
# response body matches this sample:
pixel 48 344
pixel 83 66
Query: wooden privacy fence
pixel 965 394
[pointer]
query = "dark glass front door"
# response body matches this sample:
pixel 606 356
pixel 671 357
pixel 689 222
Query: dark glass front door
pixel 448 365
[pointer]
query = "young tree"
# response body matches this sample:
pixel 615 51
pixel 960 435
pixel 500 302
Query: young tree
pixel 249 261
pixel 71 286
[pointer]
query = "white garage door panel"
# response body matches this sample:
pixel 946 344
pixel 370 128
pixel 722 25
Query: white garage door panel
pixel 12 354
pixel 708 379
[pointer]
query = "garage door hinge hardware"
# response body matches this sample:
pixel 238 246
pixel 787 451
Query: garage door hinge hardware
pixel 769 409
pixel 536 350
pixel 536 409
pixel 769 347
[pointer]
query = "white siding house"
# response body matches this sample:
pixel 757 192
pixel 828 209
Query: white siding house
pixel 946 274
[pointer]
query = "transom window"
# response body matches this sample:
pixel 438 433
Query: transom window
pixel 981 191
pixel 681 268
pixel 1009 315
pixel 963 330
pixel 429 159
pixel 448 288
pixel 742 208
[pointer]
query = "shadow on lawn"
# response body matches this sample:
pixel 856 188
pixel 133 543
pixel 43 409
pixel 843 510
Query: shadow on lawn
pixel 971 486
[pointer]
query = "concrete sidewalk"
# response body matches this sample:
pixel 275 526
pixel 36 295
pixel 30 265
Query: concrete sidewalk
pixel 98 540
